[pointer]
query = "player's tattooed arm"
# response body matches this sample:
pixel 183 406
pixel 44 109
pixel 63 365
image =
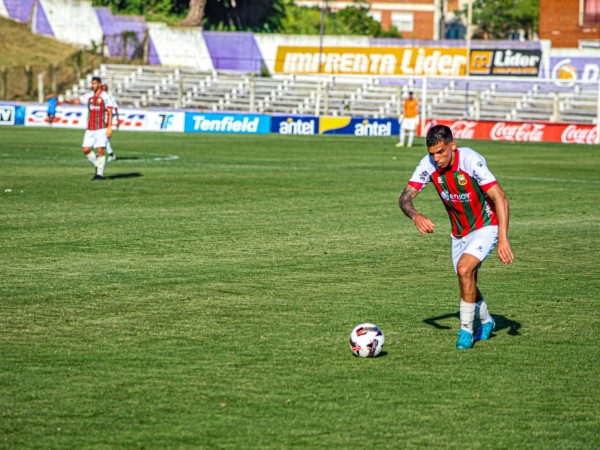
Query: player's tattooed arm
pixel 406 202
pixel 423 224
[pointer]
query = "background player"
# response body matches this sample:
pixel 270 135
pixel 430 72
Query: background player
pixel 99 125
pixel 409 120
pixel 115 111
pixel 52 102
pixel 478 210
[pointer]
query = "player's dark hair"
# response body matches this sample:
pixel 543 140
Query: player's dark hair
pixel 98 79
pixel 437 134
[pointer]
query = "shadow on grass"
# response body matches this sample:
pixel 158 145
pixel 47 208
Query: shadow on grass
pixel 381 355
pixel 502 323
pixel 126 158
pixel 117 176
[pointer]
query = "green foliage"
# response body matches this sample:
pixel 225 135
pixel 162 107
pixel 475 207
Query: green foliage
pixel 352 20
pixel 261 16
pixel 499 19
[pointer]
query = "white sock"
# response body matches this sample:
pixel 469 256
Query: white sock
pixel 101 164
pixel 91 156
pixel 483 312
pixel 109 149
pixel 402 136
pixel 411 136
pixel 467 315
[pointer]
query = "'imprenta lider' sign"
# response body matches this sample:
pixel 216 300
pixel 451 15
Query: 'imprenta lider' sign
pixel 415 61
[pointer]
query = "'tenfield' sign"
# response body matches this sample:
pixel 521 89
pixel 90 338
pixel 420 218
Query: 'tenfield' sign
pixel 430 61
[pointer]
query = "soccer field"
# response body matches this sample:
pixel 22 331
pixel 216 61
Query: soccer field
pixel 202 297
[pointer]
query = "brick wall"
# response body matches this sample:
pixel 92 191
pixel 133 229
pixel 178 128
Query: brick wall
pixel 559 22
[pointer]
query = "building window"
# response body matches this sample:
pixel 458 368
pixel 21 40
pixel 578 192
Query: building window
pixel 403 21
pixel 591 11
pixel 375 15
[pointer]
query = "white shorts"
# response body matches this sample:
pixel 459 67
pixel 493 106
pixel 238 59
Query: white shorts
pixel 478 243
pixel 409 124
pixel 95 138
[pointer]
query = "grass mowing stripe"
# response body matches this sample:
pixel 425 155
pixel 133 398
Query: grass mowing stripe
pixel 206 302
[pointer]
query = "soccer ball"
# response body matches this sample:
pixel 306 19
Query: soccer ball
pixel 366 340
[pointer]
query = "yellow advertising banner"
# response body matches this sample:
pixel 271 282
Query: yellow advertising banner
pixel 430 61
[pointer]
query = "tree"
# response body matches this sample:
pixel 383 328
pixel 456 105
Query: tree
pixel 195 13
pixel 502 19
pixel 263 16
pixel 352 20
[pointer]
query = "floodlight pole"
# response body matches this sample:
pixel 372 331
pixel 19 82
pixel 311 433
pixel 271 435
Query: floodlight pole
pixel 598 116
pixel 321 32
pixel 468 65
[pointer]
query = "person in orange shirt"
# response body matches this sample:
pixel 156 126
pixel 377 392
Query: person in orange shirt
pixel 409 120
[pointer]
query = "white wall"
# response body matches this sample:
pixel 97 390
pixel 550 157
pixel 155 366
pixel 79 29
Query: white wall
pixel 3 11
pixel 73 21
pixel 182 47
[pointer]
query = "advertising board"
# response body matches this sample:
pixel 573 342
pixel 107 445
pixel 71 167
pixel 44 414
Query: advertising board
pixel 573 68
pixel 299 125
pixel 505 62
pixel 7 115
pixel 519 131
pixel 415 61
pixel 227 123
pixel 359 126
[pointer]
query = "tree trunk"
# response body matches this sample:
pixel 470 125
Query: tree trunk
pixel 195 14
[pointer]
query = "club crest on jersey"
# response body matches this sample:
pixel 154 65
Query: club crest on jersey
pixel 462 180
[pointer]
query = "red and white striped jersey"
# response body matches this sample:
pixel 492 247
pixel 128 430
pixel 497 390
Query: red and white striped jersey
pixel 97 107
pixel 462 189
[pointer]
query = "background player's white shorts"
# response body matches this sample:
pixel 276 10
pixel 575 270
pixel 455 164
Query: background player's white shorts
pixel 409 124
pixel 478 243
pixel 95 138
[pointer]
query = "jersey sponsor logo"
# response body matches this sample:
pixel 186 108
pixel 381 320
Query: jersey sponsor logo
pixel 464 197
pixel 7 115
pixel 462 180
pixel 477 177
pixel 423 176
pixel 525 132
pixel 574 134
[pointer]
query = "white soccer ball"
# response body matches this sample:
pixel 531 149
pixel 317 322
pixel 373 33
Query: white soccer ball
pixel 366 340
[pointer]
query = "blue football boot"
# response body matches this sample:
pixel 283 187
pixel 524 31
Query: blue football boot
pixel 465 340
pixel 484 331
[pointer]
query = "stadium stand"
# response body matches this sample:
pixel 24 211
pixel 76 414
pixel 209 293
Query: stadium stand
pixel 447 98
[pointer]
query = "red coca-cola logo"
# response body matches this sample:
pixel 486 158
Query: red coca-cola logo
pixel 463 129
pixel 524 132
pixel 574 134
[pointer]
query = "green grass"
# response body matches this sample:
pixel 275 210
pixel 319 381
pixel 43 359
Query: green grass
pixel 206 302
pixel 19 46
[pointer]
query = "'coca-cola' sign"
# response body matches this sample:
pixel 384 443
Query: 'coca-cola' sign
pixel 463 129
pixel 575 134
pixel 521 132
